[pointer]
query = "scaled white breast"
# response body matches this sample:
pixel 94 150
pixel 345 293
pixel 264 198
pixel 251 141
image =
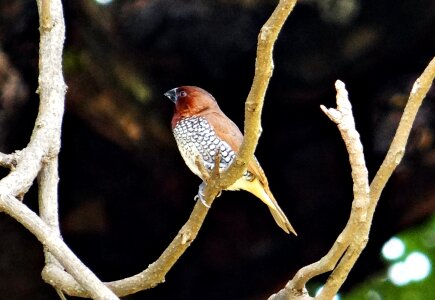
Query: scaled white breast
pixel 195 137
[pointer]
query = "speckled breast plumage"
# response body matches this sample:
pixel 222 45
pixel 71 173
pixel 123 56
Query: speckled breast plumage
pixel 195 137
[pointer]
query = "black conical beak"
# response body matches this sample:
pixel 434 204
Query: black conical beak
pixel 172 94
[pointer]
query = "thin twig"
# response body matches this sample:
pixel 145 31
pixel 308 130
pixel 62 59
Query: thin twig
pixel 352 240
pixel 391 161
pixel 202 169
pixel 60 294
pixel 8 160
pixel 343 117
pixel 397 147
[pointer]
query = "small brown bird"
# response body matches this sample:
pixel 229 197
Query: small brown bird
pixel 201 130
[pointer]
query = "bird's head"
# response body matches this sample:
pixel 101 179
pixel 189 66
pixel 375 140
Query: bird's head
pixel 191 100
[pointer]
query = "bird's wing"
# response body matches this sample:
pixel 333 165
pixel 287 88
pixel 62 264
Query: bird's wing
pixel 255 168
pixel 230 133
pixel 225 129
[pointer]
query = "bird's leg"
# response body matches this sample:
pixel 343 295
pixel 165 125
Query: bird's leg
pixel 201 195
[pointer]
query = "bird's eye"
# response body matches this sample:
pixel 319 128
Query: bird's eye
pixel 182 94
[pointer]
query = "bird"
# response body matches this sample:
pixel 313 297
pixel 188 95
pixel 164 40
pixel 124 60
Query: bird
pixel 202 131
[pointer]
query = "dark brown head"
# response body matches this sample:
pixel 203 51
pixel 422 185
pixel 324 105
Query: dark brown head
pixel 190 101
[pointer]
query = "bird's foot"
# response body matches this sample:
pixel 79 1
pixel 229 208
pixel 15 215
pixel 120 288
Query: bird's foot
pixel 201 195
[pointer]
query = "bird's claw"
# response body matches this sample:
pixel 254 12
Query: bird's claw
pixel 200 195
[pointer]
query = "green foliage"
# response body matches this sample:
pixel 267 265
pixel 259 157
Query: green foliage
pixel 418 242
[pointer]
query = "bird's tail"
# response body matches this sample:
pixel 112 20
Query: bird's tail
pixel 265 195
pixel 281 219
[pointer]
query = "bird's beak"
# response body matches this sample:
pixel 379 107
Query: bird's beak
pixel 172 94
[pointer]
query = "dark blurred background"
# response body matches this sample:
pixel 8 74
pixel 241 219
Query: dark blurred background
pixel 125 190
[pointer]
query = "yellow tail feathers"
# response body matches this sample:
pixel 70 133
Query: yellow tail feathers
pixel 256 188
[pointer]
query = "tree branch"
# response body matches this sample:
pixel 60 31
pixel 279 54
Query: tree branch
pixel 156 272
pixel 43 149
pixel 48 203
pixel 56 246
pixel 353 239
pixel 40 157
pixel 343 117
pixel 254 103
pixel 397 148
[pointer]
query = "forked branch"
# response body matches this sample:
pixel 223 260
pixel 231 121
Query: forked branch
pixel 353 239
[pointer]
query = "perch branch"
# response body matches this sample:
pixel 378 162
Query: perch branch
pixel 254 103
pixel 156 272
